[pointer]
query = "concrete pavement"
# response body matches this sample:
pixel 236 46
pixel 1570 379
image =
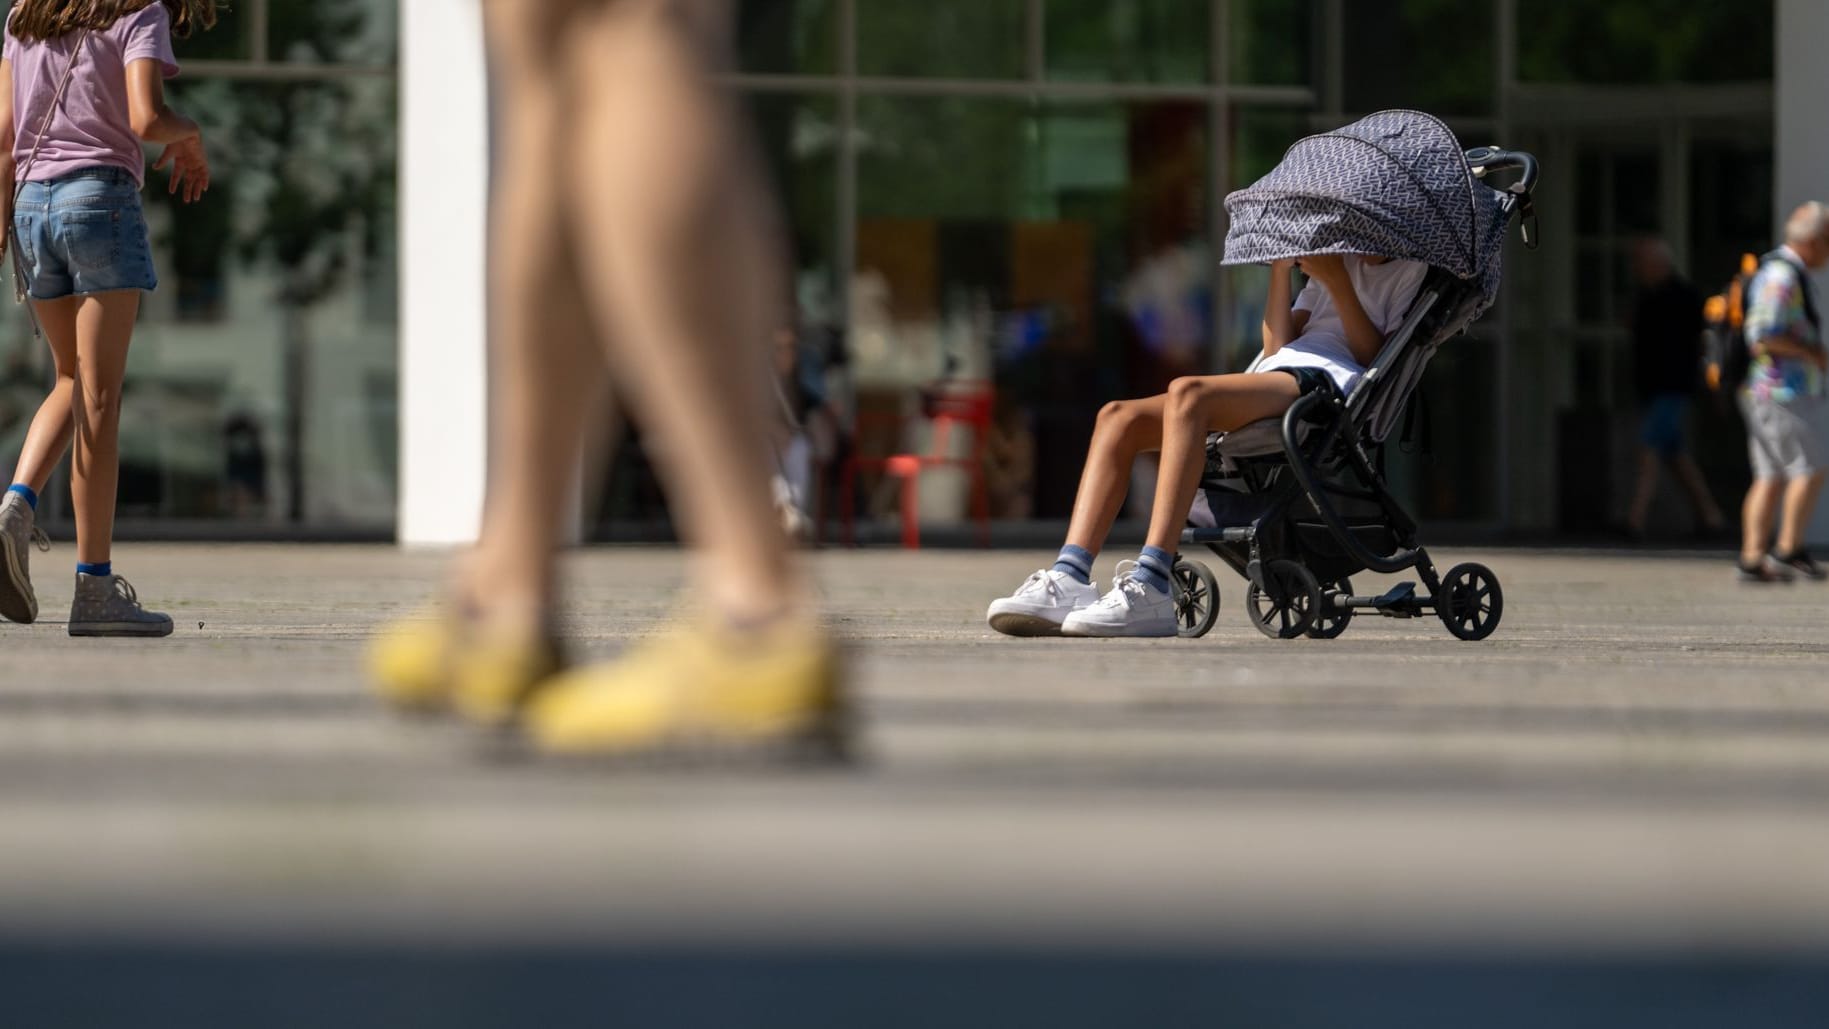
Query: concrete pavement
pixel 1628 782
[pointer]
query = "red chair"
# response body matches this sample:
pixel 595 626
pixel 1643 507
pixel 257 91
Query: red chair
pixel 961 403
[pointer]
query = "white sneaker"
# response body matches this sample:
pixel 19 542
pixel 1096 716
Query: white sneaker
pixel 1132 608
pixel 1040 604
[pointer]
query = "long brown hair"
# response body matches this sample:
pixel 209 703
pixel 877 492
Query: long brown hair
pixel 35 20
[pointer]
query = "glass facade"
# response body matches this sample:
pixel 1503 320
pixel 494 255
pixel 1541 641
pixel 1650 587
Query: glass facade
pixel 261 386
pixel 1028 193
pixel 1021 193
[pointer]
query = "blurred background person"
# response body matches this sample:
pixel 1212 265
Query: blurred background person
pixel 629 236
pixel 1783 402
pixel 1667 369
pixel 810 428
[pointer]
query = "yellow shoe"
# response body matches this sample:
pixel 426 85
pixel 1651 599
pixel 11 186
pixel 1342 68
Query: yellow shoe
pixel 715 689
pixel 409 662
pixel 437 662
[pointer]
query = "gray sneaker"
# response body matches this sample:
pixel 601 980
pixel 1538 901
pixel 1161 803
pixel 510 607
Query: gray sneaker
pixel 18 535
pixel 106 605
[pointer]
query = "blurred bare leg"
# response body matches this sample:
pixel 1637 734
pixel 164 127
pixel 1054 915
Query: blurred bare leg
pixel 1707 511
pixel 670 220
pixel 1799 505
pixel 1642 492
pixel 1196 406
pixel 1125 429
pixel 1756 519
pixel 545 365
pixel 54 426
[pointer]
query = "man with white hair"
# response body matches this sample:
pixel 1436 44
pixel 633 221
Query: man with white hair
pixel 1784 401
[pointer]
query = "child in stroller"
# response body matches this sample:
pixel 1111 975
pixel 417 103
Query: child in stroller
pixel 1397 185
pixel 1323 341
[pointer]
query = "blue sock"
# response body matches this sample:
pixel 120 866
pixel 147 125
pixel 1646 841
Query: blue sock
pixel 105 568
pixel 1153 567
pixel 30 495
pixel 1075 563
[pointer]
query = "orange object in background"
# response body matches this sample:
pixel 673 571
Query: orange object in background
pixel 959 403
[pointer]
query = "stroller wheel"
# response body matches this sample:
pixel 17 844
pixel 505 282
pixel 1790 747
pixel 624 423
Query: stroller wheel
pixel 1330 621
pixel 1471 601
pixel 1196 599
pixel 1287 608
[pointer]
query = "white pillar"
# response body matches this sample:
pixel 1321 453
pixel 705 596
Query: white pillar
pixel 1801 81
pixel 444 182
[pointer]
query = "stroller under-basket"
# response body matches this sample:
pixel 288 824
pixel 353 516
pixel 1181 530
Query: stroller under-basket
pixel 1296 505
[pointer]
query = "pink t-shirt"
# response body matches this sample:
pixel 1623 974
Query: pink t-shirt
pixel 90 127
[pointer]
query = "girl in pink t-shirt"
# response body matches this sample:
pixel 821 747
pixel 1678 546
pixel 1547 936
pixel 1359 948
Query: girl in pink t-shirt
pixel 81 87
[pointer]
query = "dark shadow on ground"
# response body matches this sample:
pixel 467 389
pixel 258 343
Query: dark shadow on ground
pixel 85 984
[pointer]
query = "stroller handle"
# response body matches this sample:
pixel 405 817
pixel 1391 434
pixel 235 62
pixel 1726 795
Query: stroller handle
pixel 1486 159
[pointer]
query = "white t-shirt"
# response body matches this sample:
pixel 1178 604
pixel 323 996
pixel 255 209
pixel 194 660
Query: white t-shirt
pixel 1385 290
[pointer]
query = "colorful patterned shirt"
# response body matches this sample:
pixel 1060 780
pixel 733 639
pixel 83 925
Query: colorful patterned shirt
pixel 1775 308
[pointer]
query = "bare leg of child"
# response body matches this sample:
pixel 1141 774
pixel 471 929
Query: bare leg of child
pixel 1198 405
pixel 1125 429
pixel 49 436
pixel 104 605
pixel 1142 602
pixel 1041 604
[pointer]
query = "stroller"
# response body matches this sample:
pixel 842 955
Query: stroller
pixel 1296 505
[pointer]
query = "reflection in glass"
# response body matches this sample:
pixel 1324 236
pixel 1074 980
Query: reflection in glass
pixel 788 37
pixel 1057 249
pixel 262 379
pixel 1271 42
pixel 230 40
pixel 1128 40
pixel 798 138
pixel 968 39
pixel 1260 137
pixel 1646 41
pixel 1449 70
pixel 363 32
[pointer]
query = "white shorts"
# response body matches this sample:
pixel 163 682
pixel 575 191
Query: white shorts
pixel 1345 376
pixel 1786 440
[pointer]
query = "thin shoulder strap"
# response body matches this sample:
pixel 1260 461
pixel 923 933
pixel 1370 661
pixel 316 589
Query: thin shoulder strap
pixel 12 236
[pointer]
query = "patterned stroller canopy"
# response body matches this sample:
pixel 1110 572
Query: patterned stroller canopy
pixel 1392 184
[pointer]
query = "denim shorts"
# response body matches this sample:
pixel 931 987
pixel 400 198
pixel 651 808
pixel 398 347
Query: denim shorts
pixel 83 233
pixel 1661 430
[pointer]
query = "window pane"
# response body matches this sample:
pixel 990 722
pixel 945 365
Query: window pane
pixel 972 39
pixel 1058 249
pixel 799 137
pixel 262 379
pixel 798 37
pixel 334 31
pixel 1271 42
pixel 230 40
pixel 1431 55
pixel 1260 137
pixel 1128 40
pixel 1646 41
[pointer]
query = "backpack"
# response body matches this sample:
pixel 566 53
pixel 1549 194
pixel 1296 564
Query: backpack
pixel 1729 357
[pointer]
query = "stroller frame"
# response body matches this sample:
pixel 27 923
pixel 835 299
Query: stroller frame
pixel 1300 503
